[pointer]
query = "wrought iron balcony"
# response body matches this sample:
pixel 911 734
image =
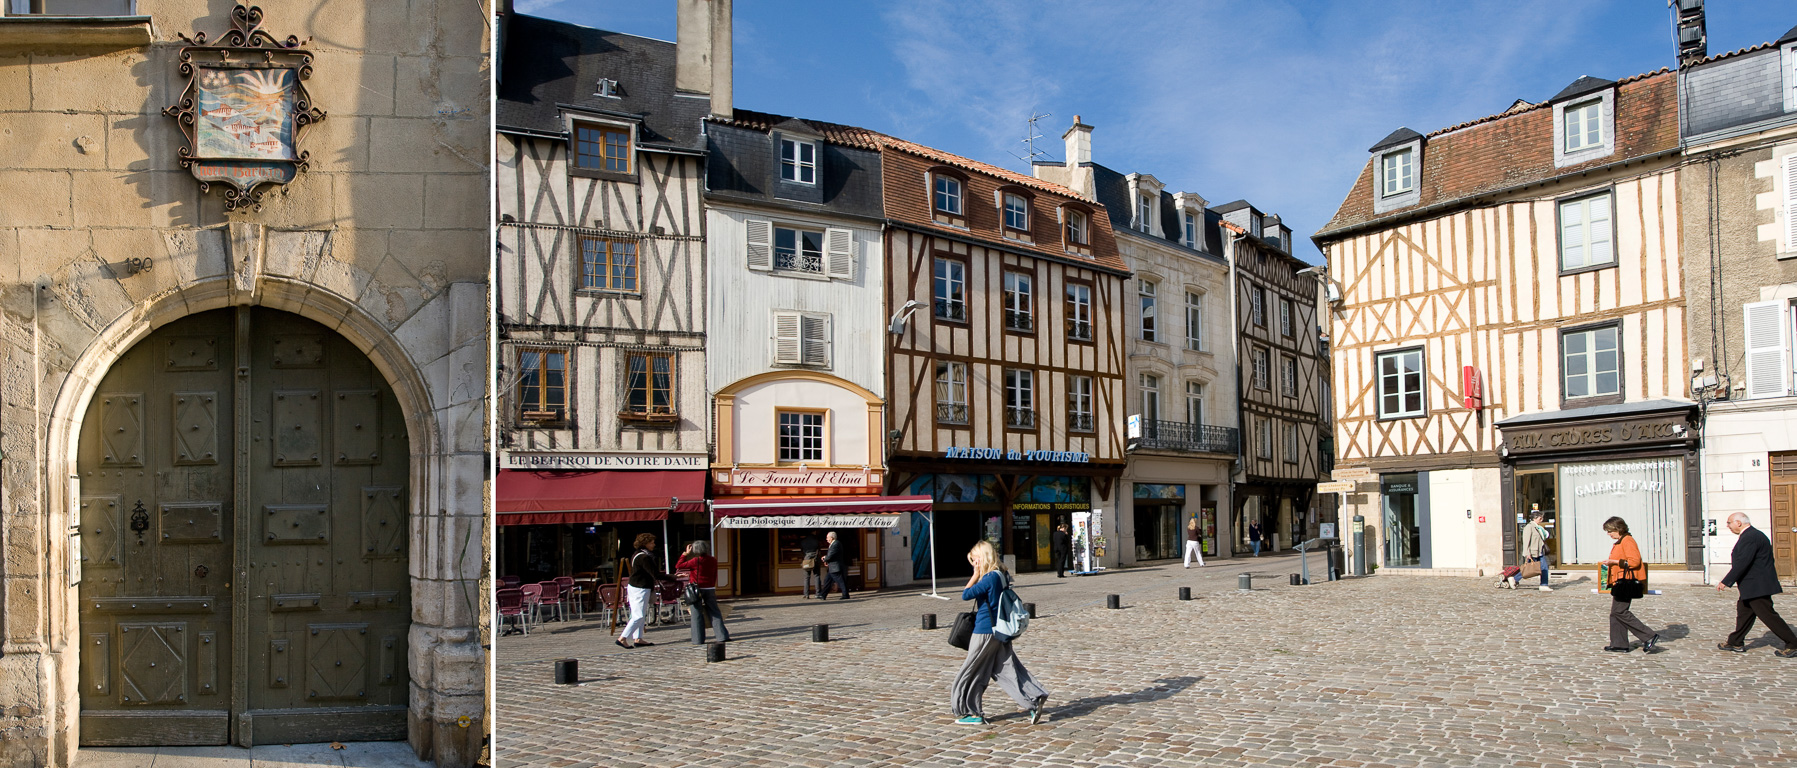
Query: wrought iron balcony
pixel 1020 418
pixel 1079 422
pixel 1183 436
pixel 951 413
pixel 791 261
pixel 951 310
pixel 1079 330
pixel 1019 321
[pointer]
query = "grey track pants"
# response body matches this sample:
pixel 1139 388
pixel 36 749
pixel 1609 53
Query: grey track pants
pixel 987 659
pixel 1622 622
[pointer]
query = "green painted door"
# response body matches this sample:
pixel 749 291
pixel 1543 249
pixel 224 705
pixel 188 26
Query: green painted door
pixel 244 539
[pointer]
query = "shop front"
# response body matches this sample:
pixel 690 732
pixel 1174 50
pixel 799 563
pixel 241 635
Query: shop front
pixel 1636 461
pixel 768 533
pixel 1012 501
pixel 1164 493
pixel 1281 509
pixel 582 524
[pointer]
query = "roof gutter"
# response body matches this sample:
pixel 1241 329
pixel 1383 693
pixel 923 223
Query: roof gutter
pixel 1324 238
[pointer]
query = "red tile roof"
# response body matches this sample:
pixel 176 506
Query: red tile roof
pixel 1515 148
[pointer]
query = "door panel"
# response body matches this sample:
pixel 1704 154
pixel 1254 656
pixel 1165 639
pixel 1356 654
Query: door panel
pixel 1784 525
pixel 285 461
pixel 156 542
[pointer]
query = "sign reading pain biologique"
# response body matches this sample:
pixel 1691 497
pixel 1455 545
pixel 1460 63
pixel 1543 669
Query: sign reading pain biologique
pixel 245 109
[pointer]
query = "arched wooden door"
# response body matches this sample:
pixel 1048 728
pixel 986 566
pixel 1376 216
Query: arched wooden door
pixel 243 479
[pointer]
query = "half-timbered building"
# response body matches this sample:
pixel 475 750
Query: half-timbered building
pixel 603 414
pixel 1739 224
pixel 1179 379
pixel 1511 333
pixel 243 430
pixel 794 235
pixel 1005 376
pixel 1279 378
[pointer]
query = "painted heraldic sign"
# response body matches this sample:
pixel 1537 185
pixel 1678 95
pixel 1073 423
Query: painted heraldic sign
pixel 245 109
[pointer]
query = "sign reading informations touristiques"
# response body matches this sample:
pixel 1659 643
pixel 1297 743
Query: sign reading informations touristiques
pixel 245 109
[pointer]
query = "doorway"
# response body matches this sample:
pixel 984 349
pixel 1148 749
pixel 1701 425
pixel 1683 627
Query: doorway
pixel 1784 513
pixel 755 564
pixel 1538 486
pixel 244 530
pixel 1403 524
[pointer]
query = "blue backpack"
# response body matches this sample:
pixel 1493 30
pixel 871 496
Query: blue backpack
pixel 1009 618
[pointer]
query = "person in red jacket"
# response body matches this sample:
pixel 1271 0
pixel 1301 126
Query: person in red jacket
pixel 702 569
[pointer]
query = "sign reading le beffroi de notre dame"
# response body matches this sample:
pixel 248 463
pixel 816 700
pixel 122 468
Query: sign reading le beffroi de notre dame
pixel 572 460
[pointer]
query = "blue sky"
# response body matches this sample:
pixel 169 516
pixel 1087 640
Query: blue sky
pixel 1275 102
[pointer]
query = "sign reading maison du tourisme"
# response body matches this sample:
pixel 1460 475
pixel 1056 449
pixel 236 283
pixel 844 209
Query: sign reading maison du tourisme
pixel 573 460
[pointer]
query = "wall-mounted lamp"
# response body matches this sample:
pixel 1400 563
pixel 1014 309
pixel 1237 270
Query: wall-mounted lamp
pixel 897 326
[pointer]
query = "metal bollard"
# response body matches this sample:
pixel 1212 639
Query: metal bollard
pixel 1113 602
pixel 1297 580
pixel 820 633
pixel 1244 582
pixel 714 652
pixel 1030 609
pixel 929 621
pixel 567 671
pixel 1185 593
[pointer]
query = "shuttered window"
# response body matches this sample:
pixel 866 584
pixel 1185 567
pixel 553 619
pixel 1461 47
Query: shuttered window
pixel 802 338
pixel 1790 206
pixel 1585 233
pixel 1768 354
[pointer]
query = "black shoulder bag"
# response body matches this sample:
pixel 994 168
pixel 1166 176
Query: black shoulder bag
pixel 961 633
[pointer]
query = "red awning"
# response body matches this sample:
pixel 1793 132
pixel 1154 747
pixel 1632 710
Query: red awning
pixel 753 506
pixel 530 497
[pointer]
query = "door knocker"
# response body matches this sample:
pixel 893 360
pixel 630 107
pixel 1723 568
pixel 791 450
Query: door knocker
pixel 140 521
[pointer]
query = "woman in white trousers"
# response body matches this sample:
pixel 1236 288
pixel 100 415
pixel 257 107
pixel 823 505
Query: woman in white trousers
pixel 1194 543
pixel 643 575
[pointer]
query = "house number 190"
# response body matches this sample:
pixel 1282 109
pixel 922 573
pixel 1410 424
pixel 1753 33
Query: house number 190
pixel 136 265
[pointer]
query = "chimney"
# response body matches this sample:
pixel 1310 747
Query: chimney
pixel 1693 43
pixel 702 61
pixel 1079 158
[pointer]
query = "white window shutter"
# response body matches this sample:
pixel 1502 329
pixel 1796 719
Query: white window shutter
pixel 815 332
pixel 1790 180
pixel 1768 373
pixel 839 253
pixel 760 243
pixel 787 346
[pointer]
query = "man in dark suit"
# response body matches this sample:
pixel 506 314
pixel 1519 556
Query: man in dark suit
pixel 1058 549
pixel 1757 578
pixel 836 566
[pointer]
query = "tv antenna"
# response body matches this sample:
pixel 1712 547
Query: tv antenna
pixel 1030 136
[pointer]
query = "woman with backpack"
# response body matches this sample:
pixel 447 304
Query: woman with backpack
pixel 989 656
pixel 643 576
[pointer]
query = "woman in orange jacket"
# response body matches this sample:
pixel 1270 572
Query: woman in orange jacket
pixel 1625 560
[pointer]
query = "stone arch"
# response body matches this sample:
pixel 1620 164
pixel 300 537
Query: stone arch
pixel 69 409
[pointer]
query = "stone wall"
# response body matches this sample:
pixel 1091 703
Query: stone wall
pixel 383 240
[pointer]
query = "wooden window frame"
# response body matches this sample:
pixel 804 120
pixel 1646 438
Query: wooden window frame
pixel 1288 387
pixel 1068 306
pixel 1622 388
pixel 545 419
pixel 1387 162
pixel 824 448
pixel 576 124
pixel 1422 367
pixel 956 218
pixel 1195 398
pixel 1596 105
pixel 798 164
pixel 1263 437
pixel 1073 412
pixel 1288 326
pixel 936 401
pixel 605 275
pixel 650 414
pixel 1195 330
pixel 1257 305
pixel 1028 312
pixel 1035 399
pixel 1560 204
pixel 799 250
pixel 1004 211
pixel 966 318
pixel 1260 368
pixel 1292 443
pixel 1144 388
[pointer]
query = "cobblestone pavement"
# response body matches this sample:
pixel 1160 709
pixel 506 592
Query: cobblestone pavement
pixel 1380 671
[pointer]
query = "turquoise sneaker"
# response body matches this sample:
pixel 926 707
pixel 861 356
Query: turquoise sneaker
pixel 971 720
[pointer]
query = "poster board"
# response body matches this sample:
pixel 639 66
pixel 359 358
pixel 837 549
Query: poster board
pixel 1088 541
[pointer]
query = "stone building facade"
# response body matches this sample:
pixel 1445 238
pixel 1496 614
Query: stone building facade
pixel 1738 216
pixel 179 566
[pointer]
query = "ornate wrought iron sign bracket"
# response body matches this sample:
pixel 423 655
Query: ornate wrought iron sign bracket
pixel 245 109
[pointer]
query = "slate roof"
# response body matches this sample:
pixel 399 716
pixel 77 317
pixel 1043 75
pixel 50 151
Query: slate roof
pixel 1399 136
pixel 1113 193
pixel 549 63
pixel 1515 148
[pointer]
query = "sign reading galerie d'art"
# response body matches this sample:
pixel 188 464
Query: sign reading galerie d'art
pixel 245 109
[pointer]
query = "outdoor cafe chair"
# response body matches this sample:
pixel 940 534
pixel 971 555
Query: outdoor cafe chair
pixel 511 608
pixel 570 593
pixel 549 598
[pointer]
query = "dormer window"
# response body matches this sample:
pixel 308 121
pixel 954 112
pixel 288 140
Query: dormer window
pixel 1396 171
pixel 1017 212
pixel 947 197
pixel 599 147
pixel 1584 127
pixel 1076 227
pixel 798 161
pixel 1144 206
pixel 606 88
pixel 1189 221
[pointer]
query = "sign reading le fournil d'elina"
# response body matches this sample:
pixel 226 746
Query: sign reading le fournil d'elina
pixel 1658 430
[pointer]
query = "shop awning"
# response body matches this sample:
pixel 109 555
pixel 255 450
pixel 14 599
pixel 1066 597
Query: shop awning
pixel 528 497
pixel 816 511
